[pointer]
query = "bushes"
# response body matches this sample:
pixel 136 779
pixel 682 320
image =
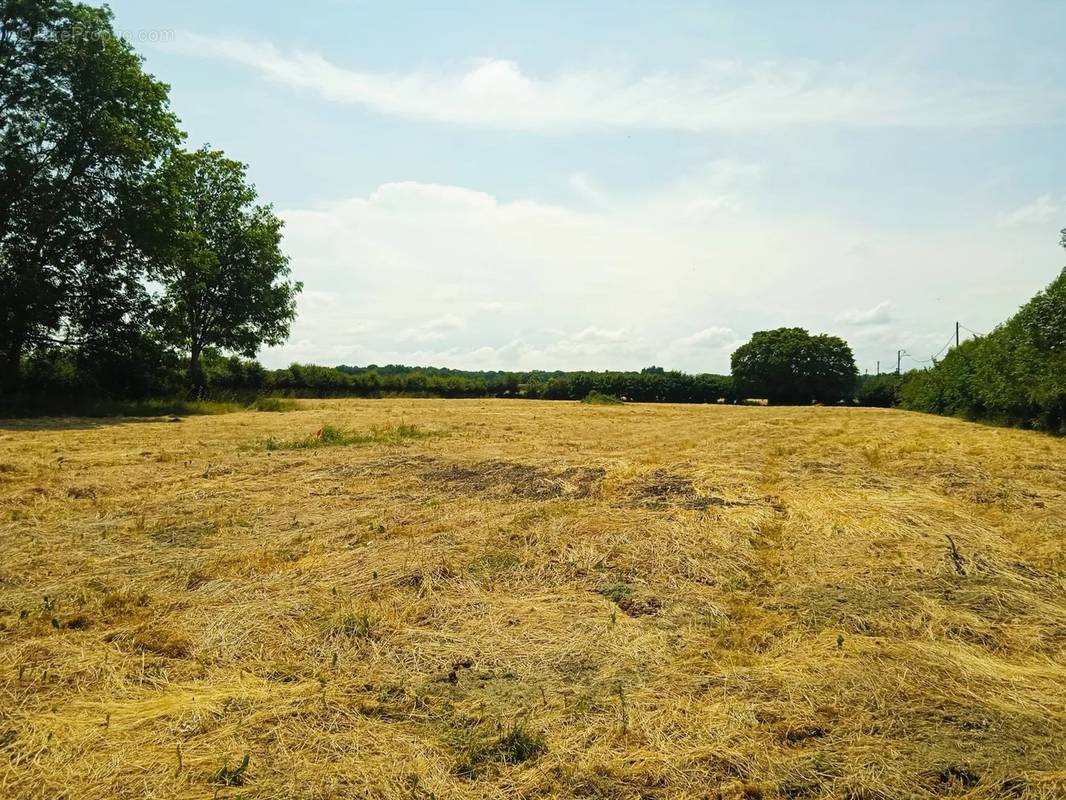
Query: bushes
pixel 880 391
pixel 641 387
pixel 1014 376
pixel 595 398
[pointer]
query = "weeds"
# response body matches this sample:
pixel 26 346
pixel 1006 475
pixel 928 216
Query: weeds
pixel 235 776
pixel 332 436
pixel 517 745
pixel 617 592
pixel 353 625
pixel 273 404
pixel 600 399
pixel 495 562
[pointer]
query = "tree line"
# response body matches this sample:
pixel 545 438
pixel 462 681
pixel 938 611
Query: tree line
pixel 653 384
pixel 1016 375
pixel 122 255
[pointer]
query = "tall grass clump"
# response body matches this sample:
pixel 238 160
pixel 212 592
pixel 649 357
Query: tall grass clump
pixel 333 436
pixel 277 404
pixel 597 398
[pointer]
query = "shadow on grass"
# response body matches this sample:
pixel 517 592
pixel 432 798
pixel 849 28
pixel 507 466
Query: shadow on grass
pixel 42 414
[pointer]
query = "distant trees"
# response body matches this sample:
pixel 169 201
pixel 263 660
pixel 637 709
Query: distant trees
pixel 220 261
pixel 1016 375
pixel 788 365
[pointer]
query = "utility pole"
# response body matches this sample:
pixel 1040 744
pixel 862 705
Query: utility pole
pixel 899 362
pixel 878 367
pixel 956 334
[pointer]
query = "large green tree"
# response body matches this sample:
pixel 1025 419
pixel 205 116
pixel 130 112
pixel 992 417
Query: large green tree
pixel 223 273
pixel 81 126
pixel 788 365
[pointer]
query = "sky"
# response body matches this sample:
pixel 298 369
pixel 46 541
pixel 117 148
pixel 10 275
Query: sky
pixel 605 185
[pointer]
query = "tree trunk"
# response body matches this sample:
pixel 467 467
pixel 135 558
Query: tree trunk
pixel 11 366
pixel 196 370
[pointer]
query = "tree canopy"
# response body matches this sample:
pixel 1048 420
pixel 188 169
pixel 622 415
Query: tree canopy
pixel 788 365
pixel 99 207
pixel 81 127
pixel 220 264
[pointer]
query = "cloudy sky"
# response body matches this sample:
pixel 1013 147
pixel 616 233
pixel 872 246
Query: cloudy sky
pixel 611 185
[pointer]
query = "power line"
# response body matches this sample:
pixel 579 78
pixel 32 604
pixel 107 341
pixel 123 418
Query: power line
pixel 953 338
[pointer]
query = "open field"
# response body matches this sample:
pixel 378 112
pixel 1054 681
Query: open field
pixel 546 600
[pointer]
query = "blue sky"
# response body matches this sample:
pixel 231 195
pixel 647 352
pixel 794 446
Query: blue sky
pixel 611 185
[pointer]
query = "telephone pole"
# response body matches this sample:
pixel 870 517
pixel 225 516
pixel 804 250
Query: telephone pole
pixel 899 361
pixel 956 334
pixel 878 367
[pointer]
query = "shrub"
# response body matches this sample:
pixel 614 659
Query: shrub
pixel 881 391
pixel 1015 376
pixel 601 399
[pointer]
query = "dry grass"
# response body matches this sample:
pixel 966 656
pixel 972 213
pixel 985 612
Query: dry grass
pixel 552 601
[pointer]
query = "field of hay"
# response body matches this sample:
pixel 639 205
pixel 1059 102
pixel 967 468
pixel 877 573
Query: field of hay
pixel 536 600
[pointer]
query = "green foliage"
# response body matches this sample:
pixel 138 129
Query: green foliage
pixel 354 625
pixel 648 386
pixel 332 436
pixel 517 745
pixel 221 265
pixel 235 776
pixel 275 404
pixel 82 127
pixel 881 391
pixel 1014 376
pixel 788 365
pixel 600 399
pixel 617 592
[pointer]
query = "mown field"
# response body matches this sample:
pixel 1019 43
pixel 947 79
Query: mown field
pixel 490 599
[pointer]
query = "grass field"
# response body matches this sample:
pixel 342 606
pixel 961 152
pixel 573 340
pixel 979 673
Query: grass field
pixel 488 599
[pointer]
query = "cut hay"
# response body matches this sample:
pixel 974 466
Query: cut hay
pixel 544 601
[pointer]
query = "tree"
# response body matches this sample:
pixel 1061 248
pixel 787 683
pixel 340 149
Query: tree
pixel 221 266
pixel 881 391
pixel 788 365
pixel 81 126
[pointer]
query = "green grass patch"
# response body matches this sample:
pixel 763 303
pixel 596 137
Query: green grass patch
pixel 517 745
pixel 495 562
pixel 353 624
pixel 332 436
pixel 616 592
pixel 600 399
pixel 273 404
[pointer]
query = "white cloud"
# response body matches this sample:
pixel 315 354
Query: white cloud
pixel 878 315
pixel 708 337
pixel 1042 210
pixel 435 329
pixel 599 335
pixel 451 276
pixel 718 95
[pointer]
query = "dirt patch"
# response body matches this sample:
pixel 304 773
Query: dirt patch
pixel 513 479
pixel 662 488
